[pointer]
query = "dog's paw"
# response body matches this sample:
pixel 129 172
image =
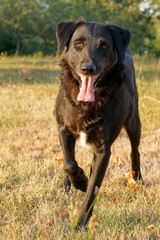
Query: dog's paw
pixel 82 222
pixel 137 176
pixel 79 180
pixel 81 183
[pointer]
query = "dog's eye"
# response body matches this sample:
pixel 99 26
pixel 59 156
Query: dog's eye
pixel 79 44
pixel 103 46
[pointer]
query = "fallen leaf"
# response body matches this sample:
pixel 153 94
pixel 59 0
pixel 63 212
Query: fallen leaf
pixel 1 83
pixel 28 79
pixel 151 227
pixel 49 222
pixel 118 161
pixel 129 177
pixel 115 199
pixel 62 213
pixel 60 160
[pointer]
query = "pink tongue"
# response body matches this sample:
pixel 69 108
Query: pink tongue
pixel 86 91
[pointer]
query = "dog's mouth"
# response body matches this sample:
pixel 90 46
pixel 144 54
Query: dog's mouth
pixel 86 93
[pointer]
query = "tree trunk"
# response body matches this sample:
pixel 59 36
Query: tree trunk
pixel 18 43
pixel 46 43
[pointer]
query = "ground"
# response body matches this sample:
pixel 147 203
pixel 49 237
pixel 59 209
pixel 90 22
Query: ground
pixel 32 203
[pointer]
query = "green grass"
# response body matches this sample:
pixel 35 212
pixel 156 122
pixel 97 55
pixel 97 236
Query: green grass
pixel 32 204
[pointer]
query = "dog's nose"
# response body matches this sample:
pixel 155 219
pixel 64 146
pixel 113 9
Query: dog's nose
pixel 88 69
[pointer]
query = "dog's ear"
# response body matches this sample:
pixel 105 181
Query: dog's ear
pixel 121 38
pixel 64 33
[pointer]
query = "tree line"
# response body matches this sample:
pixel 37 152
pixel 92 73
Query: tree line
pixel 28 27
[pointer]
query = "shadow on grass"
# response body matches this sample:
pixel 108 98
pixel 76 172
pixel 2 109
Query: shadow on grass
pixel 27 70
pixel 29 76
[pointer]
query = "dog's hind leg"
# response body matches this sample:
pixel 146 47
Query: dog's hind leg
pixel 74 174
pixel 134 133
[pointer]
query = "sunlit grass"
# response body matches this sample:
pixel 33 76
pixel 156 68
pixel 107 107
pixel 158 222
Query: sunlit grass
pixel 32 204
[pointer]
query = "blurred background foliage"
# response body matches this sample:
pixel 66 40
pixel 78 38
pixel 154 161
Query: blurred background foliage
pixel 29 27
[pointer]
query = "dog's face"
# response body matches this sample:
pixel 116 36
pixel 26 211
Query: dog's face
pixel 91 49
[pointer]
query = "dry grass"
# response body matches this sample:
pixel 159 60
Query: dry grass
pixel 32 204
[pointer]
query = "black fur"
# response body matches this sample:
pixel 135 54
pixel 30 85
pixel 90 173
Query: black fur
pixel 115 105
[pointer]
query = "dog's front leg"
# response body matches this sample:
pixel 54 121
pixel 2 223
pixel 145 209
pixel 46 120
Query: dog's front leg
pixel 100 163
pixel 74 172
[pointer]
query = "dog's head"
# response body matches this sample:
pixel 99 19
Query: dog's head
pixel 91 49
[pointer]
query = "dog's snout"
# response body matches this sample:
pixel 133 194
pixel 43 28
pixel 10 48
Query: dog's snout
pixel 88 69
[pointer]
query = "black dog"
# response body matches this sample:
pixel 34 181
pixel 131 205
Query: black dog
pixel 97 97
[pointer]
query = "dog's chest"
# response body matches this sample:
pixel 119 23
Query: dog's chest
pixel 83 140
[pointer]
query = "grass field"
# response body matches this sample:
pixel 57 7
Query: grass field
pixel 32 204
